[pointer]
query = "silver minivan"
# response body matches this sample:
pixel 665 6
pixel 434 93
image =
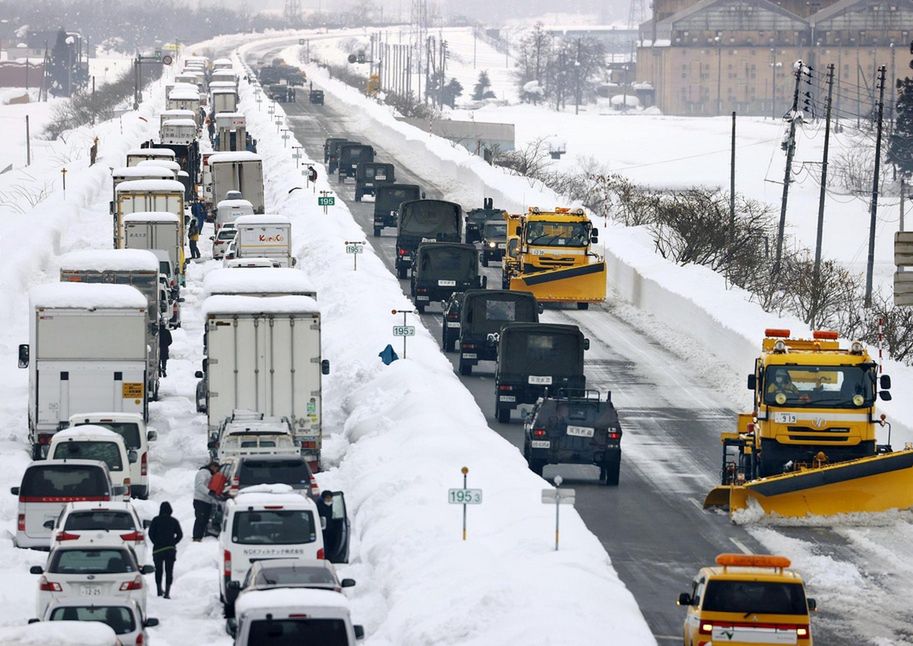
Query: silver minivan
pixel 47 486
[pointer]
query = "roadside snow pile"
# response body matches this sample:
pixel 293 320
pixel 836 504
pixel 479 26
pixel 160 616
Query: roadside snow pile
pixel 396 438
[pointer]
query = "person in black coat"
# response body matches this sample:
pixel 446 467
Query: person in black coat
pixel 165 533
pixel 164 345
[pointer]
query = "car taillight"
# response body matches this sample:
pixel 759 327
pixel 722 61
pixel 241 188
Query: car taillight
pixel 538 432
pixel 469 346
pixel 127 486
pixel 614 435
pixel 321 554
pixel 802 633
pixel 420 290
pixel 140 640
pixel 235 483
pixel 135 584
pixel 48 586
pixel 314 488
pixel 20 523
pixel 67 536
pixel 144 464
pixel 505 387
pixel 401 251
pixel 133 536
pixel 226 566
pixel 309 444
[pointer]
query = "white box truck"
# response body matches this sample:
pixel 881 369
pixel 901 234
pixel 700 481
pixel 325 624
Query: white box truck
pixel 263 354
pixel 155 231
pixel 86 352
pixel 265 236
pixel 137 155
pixel 224 99
pixel 135 267
pixel 150 196
pixel 237 171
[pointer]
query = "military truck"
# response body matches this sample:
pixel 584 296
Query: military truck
pixel 442 268
pixel 387 199
pixel 482 315
pixel 424 220
pixel 370 175
pixel 350 156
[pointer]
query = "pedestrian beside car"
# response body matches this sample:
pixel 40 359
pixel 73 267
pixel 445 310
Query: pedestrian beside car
pixel 202 499
pixel 164 345
pixel 165 533
pixel 193 235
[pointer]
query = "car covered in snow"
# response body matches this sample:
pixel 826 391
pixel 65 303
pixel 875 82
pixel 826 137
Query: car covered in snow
pixel 86 520
pixel 123 616
pixel 294 617
pixel 89 442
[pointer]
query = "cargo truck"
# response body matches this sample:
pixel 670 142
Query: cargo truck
pixel 86 352
pixel 157 232
pixel 265 236
pixel 135 267
pixel 237 171
pixel 263 354
pixel 149 196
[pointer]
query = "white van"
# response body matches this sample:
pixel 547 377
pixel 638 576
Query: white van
pixel 47 486
pixel 229 210
pixel 266 521
pixel 132 428
pixel 90 442
pixel 288 617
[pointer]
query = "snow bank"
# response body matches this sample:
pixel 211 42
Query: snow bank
pixel 109 260
pixel 86 296
pixel 399 435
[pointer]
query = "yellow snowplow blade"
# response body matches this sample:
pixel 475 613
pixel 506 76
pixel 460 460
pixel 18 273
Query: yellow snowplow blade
pixel 582 284
pixel 868 485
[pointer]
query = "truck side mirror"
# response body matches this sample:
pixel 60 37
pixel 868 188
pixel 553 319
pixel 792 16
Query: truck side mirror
pixel 541 308
pixel 752 381
pixel 151 436
pixel 323 522
pixel 586 344
pixel 231 627
pixel 198 374
pixel 24 355
pixel 347 583
pixel 34 620
pixel 325 367
pixel 359 631
pixel 483 282
pixel 885 395
pixel 594 235
pixel 684 599
pixel 885 382
pixel 812 604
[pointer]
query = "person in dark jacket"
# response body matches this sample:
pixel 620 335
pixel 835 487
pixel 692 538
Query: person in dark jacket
pixel 164 345
pixel 165 533
pixel 325 511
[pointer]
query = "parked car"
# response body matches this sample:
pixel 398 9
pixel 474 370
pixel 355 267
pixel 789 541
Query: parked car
pixel 124 616
pixel 132 428
pixel 89 442
pixel 96 568
pixel 221 240
pixel 84 520
pixel 318 574
pixel 48 486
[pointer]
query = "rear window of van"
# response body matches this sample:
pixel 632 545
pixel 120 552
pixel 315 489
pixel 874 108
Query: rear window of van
pixel 65 481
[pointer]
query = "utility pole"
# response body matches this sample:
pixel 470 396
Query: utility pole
pixel 732 189
pixel 874 211
pixel 787 175
pixel 577 80
pixel 822 194
pixel 903 190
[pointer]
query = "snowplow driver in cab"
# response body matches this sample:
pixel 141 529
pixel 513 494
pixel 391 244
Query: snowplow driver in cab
pixel 782 387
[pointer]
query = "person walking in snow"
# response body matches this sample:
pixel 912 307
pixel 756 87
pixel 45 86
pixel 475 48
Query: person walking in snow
pixel 202 499
pixel 193 235
pixel 165 533
pixel 164 345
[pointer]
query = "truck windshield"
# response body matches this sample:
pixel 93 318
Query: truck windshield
pixel 495 230
pixel 755 597
pixel 820 386
pixel 558 234
pixel 296 632
pixel 273 527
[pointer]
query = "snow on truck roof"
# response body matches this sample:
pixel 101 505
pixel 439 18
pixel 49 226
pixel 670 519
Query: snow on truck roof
pixel 161 163
pixel 292 598
pixel 144 172
pixel 151 152
pixel 86 296
pixel 151 185
pixel 150 216
pixel 86 431
pixel 233 203
pixel 184 94
pixel 223 90
pixel 249 281
pixel 262 219
pixel 230 304
pixel 109 260
pixel 239 156
pixel 183 123
pixel 177 113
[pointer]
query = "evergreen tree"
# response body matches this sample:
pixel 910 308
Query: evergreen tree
pixel 451 91
pixel 900 144
pixel 481 90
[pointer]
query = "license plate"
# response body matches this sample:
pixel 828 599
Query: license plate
pixel 446 283
pixel 452 324
pixel 580 431
pixel 470 355
pixel 785 418
pixel 501 245
pixel 421 298
pixel 744 635
pixel 541 444
pixel 540 381
pixel 507 398
pixel 369 183
pixel 90 591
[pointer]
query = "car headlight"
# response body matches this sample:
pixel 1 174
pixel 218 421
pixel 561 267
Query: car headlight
pixel 491 244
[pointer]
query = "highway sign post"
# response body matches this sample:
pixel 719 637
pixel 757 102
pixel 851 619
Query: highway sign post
pixel 354 248
pixel 326 200
pixel 558 497
pixel 464 496
pixel 403 330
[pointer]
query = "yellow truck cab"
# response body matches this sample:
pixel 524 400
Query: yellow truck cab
pixel 747 599
pixel 550 253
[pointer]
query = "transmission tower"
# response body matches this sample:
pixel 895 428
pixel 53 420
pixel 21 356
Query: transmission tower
pixel 292 12
pixel 637 13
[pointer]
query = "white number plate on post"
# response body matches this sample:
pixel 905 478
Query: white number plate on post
pixel 403 330
pixel 580 431
pixel 540 381
pixel 353 248
pixel 446 283
pixel 464 496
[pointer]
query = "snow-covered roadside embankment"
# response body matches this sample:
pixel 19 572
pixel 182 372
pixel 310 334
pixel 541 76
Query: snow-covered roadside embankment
pixel 398 436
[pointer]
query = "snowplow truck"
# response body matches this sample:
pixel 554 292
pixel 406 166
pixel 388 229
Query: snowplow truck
pixel 809 447
pixel 550 254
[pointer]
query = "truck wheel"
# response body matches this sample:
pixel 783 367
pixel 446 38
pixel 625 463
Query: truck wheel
pixel 484 260
pixel 376 232
pixel 420 308
pixel 583 306
pixel 537 466
pixel 445 339
pixel 401 271
pixel 503 415
pixel 608 472
pixel 465 368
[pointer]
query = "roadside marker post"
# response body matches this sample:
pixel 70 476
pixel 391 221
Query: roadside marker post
pixel 559 497
pixel 326 200
pixel 354 247
pixel 403 330
pixel 464 496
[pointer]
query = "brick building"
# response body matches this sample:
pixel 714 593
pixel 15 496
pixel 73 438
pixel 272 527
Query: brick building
pixel 711 57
